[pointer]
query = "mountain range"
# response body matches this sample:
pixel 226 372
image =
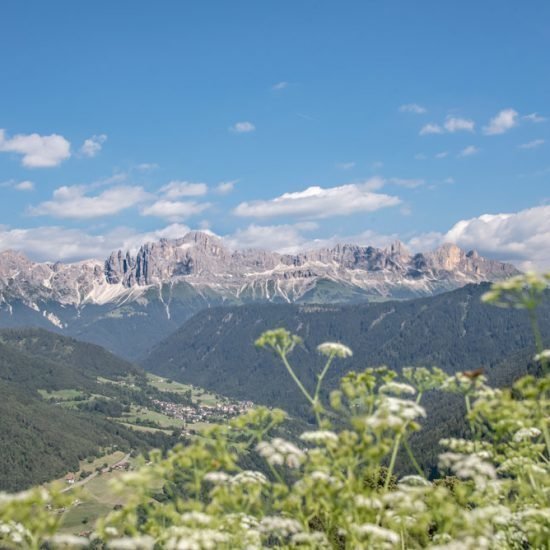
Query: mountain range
pixel 129 302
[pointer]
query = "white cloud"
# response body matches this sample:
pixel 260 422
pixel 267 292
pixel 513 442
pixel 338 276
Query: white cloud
pixel 455 124
pixel 502 122
pixel 412 108
pixel 37 151
pixel 243 127
pixel 285 238
pixel 318 202
pixel 73 202
pixel 532 144
pixel 24 186
pixel 522 237
pixel 345 165
pixel 176 189
pixel 279 86
pixel 174 210
pixel 534 117
pixel 226 187
pixel 431 128
pixel 420 156
pixel 92 146
pixel 52 243
pixel 468 151
pixel 408 183
pixel 442 155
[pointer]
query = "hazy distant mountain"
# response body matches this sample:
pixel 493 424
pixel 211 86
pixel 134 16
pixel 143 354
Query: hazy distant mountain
pixel 130 302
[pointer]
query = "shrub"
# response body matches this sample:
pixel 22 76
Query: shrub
pixel 336 485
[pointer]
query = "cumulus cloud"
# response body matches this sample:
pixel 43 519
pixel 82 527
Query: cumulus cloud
pixel 284 238
pixel 174 210
pixel 431 128
pixel 468 151
pixel 37 151
pixel 534 117
pixel 244 127
pixel 24 186
pixel 93 145
pixel 75 202
pixel 226 187
pixel 412 108
pixel 280 86
pixel 451 125
pixel 522 237
pixel 442 155
pixel 176 189
pixel 52 243
pixel 502 122
pixel 318 202
pixel 532 144
pixel 455 124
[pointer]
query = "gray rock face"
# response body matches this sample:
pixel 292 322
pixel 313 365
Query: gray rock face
pixel 202 260
pixel 199 269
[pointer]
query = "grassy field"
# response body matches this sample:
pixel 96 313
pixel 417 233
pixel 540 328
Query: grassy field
pixel 197 394
pixel 145 428
pixel 142 413
pixel 85 466
pixel 61 395
pixel 95 499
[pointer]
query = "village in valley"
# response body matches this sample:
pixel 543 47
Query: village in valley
pixel 201 412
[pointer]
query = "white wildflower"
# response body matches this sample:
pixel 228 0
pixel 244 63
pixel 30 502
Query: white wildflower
pixel 197 518
pixel 70 541
pixel 111 531
pixel 320 436
pixel 279 526
pixel 183 538
pixel 369 503
pixel 143 542
pixel 543 355
pixel 315 539
pixel 468 467
pixel 249 477
pixel 377 533
pixel 279 452
pixel 334 349
pixel 414 481
pixel 397 388
pixel 526 433
pixel 408 410
pixel 217 478
pixel 245 521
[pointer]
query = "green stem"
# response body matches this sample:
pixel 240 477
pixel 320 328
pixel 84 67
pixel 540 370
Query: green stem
pixel 317 407
pixel 539 346
pixel 389 473
pixel 412 458
pixel 294 377
pixel 471 424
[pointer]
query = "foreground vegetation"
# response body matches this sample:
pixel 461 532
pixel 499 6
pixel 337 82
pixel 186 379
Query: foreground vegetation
pixel 243 486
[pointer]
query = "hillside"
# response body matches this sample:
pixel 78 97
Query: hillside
pixel 62 401
pixel 455 331
pixel 42 436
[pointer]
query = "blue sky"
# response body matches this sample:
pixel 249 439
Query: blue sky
pixel 278 124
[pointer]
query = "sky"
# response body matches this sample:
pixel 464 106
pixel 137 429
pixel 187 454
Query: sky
pixel 283 125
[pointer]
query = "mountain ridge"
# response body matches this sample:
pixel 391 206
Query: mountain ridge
pixel 167 281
